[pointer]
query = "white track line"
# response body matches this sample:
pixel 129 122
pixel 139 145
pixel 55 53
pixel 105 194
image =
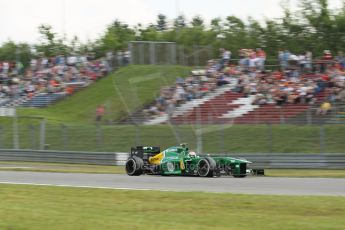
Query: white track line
pixel 87 186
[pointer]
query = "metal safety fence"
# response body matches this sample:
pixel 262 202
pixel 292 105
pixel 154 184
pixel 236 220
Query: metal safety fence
pixel 287 160
pixel 210 138
pixel 170 53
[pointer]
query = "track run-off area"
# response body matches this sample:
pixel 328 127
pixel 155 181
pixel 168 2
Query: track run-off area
pixel 248 185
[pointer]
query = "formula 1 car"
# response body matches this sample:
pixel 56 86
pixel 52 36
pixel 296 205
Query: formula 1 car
pixel 178 160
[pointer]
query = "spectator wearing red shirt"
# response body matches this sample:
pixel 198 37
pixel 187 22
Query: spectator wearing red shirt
pixel 327 55
pixel 100 111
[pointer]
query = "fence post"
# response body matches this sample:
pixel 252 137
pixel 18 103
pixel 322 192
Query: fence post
pixel 42 133
pixel 195 56
pixel 173 54
pixel 209 53
pixel 15 133
pixel 65 137
pixel 152 54
pixel 99 136
pixel 33 136
pixel 269 137
pixel 309 117
pixel 141 54
pixel 182 55
pixel 221 140
pixel 282 115
pixel 130 48
pixel 1 137
pixel 138 135
pixel 322 139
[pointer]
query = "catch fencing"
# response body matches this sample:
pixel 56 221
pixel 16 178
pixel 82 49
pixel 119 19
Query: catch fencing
pixel 169 53
pixel 274 161
pixel 210 138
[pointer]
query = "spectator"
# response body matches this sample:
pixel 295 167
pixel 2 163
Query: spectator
pixel 261 58
pixel 308 61
pixel 324 108
pixel 225 57
pixel 100 111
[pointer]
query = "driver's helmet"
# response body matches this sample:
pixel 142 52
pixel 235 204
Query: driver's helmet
pixel 192 154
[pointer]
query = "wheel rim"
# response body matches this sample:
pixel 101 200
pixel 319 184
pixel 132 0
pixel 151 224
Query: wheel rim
pixel 203 167
pixel 130 166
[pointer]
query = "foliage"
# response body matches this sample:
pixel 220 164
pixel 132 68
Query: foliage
pixel 11 51
pixel 161 22
pixel 50 43
pixel 180 22
pixel 115 38
pixel 197 21
pixel 313 26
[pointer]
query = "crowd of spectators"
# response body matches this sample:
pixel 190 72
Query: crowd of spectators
pixel 297 79
pixel 57 74
pixel 195 86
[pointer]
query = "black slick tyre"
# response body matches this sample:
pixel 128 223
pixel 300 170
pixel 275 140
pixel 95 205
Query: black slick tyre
pixel 206 167
pixel 134 166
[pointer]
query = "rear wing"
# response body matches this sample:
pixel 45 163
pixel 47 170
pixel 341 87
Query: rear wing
pixel 145 152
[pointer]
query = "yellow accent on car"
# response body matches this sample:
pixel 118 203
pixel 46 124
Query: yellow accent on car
pixel 182 165
pixel 156 159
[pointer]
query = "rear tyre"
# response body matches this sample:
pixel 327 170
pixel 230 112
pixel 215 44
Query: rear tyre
pixel 206 167
pixel 134 166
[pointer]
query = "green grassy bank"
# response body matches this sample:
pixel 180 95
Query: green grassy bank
pixel 44 207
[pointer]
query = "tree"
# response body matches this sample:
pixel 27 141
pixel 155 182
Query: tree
pixel 51 44
pixel 180 22
pixel 48 37
pixel 235 34
pixel 234 24
pixel 255 34
pixel 197 21
pixel 150 34
pixel 216 25
pixel 320 22
pixel 11 51
pixel 116 37
pixel 161 22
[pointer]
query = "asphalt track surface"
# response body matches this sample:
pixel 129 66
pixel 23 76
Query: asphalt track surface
pixel 248 185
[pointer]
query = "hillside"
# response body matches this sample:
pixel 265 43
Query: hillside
pixel 126 90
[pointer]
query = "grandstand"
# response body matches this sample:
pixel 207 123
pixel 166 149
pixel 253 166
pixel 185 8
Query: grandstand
pixel 235 108
pixel 218 94
pixel 291 96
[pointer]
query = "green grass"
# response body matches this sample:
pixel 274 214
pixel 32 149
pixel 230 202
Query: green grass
pixel 136 85
pixel 326 173
pixel 50 208
pixel 58 167
pixel 81 168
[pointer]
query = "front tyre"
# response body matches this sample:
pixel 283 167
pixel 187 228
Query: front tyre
pixel 206 167
pixel 134 166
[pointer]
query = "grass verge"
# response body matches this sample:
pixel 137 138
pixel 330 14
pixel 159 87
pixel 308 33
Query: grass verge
pixel 331 173
pixel 50 208
pixel 55 167
pixel 80 168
